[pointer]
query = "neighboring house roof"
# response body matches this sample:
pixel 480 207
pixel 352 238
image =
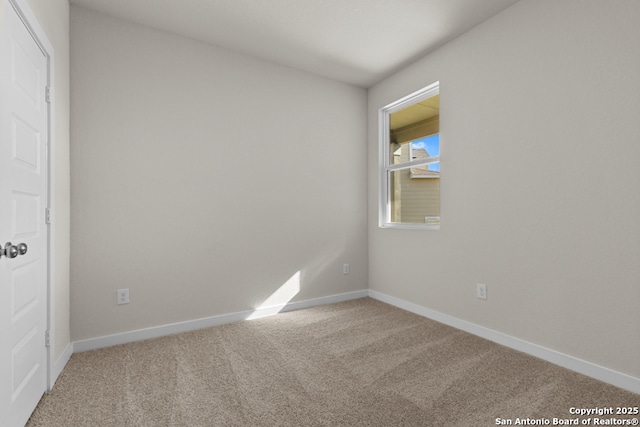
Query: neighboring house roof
pixel 421 171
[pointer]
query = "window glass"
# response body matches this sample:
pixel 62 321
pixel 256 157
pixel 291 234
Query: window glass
pixel 410 174
pixel 427 148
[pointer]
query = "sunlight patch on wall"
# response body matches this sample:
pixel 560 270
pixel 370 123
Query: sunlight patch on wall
pixel 279 299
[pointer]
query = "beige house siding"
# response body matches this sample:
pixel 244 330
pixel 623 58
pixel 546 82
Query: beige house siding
pixel 414 198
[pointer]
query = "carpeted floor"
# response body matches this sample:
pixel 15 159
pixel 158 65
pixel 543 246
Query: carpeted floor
pixel 356 363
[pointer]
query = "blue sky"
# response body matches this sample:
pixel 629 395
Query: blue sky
pixel 432 145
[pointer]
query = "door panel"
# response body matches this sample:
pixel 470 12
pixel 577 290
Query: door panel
pixel 26 144
pixel 23 279
pixel 26 211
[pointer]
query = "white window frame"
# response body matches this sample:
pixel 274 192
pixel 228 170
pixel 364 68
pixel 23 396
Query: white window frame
pixel 385 166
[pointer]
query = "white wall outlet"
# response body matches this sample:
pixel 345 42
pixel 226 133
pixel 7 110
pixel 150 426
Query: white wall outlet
pixel 481 291
pixel 123 296
pixel 346 269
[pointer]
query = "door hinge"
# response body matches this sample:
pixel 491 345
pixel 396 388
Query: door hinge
pixel 47 93
pixel 47 338
pixel 47 216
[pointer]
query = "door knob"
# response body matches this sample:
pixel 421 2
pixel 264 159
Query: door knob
pixel 11 251
pixel 22 248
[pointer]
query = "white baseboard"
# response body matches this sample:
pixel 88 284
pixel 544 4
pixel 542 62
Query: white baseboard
pixel 190 325
pixel 592 370
pixel 59 366
pixel 589 369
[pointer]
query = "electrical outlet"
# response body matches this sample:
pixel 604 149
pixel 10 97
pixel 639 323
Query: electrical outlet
pixel 123 296
pixel 346 269
pixel 481 291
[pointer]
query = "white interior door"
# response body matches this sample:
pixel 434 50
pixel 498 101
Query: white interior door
pixel 23 200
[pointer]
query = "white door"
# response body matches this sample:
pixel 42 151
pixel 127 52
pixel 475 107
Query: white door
pixel 23 200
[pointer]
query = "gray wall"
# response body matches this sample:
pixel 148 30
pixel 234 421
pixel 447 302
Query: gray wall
pixel 203 180
pixel 540 181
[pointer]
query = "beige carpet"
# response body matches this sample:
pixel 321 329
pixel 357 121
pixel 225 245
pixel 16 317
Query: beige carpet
pixel 356 363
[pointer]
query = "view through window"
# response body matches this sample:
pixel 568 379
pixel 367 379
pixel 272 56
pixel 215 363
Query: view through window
pixel 411 166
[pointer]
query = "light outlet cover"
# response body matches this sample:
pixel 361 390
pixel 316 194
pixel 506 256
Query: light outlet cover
pixel 346 269
pixel 481 291
pixel 123 296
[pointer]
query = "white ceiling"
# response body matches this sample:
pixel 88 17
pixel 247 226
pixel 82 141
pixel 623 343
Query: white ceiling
pixel 354 41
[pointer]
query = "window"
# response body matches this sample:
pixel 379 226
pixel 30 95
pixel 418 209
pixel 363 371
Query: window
pixel 410 161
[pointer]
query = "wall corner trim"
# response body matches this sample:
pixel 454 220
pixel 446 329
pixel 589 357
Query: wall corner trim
pixel 589 369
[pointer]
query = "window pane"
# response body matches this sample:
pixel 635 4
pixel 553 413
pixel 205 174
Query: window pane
pixel 426 148
pixel 400 153
pixel 430 145
pixel 413 201
pixel 431 170
pixel 417 123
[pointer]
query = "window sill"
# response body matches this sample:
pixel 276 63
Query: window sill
pixel 410 226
